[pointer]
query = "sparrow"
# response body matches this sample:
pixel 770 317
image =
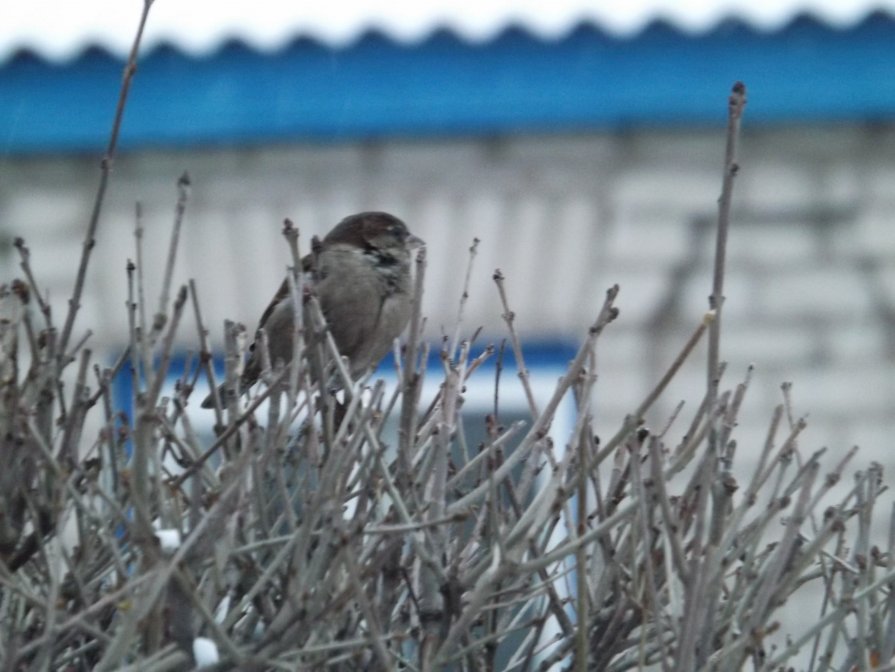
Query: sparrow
pixel 361 276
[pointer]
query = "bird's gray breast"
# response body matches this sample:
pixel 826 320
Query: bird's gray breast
pixel 365 300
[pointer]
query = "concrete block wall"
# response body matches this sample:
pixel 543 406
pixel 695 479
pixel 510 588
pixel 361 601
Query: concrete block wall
pixel 811 260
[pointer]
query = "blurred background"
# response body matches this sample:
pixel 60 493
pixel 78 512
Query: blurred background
pixel 582 145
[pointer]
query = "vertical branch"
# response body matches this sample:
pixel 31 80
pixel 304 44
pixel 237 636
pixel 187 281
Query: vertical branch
pixel 735 105
pixel 296 290
pixel 141 332
pixel 183 195
pixel 74 303
pixel 473 250
pixel 510 317
pixel 412 382
pixel 74 424
pixel 434 612
pixel 205 357
pixel 698 607
pixel 581 588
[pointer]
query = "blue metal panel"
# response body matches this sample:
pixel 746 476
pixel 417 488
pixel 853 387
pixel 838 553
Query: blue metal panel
pixel 539 355
pixel 443 86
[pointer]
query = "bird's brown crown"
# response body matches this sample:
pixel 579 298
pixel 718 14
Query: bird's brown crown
pixel 368 229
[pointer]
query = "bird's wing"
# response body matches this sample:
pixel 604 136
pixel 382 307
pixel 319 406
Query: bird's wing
pixel 282 293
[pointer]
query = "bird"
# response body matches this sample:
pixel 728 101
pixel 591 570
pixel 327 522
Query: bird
pixel 360 273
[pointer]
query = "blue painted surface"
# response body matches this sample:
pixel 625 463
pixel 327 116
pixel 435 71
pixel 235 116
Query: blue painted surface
pixel 538 356
pixel 444 87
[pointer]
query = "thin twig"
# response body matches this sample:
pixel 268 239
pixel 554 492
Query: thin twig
pixel 736 103
pixel 130 69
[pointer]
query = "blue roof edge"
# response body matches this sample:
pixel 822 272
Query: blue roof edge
pixel 588 80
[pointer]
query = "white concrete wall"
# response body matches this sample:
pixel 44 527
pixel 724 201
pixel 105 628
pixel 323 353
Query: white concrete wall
pixel 811 273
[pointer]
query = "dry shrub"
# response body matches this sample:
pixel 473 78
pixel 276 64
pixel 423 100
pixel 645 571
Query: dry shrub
pixel 306 535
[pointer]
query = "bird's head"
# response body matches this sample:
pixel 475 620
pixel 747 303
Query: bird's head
pixel 375 232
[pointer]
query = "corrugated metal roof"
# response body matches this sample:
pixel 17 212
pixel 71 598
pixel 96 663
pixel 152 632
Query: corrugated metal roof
pixel 59 30
pixel 445 86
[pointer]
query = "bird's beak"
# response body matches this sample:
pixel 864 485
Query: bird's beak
pixel 413 242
